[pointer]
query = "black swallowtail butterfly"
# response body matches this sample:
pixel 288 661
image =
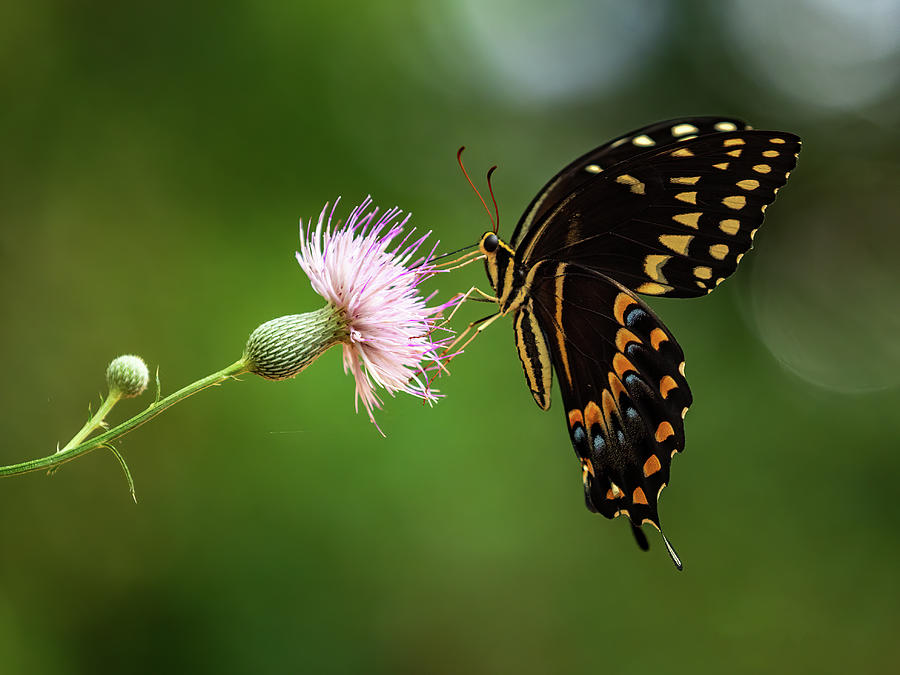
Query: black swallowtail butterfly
pixel 666 210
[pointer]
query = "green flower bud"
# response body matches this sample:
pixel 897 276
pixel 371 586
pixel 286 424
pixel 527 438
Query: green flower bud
pixel 128 375
pixel 283 347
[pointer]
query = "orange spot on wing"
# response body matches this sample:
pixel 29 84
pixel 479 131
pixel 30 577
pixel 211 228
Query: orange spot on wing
pixel 657 335
pixel 587 467
pixel 652 465
pixel 638 497
pixel 664 431
pixel 592 414
pixel 666 384
pixel 608 403
pixel 623 337
pixel 623 301
pixel 575 417
pixel 622 365
pixel 616 386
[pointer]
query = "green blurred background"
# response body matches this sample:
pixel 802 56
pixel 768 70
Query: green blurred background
pixel 154 160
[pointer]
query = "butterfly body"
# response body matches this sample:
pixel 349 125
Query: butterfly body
pixel 666 210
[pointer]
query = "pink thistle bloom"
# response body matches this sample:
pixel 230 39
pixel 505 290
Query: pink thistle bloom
pixel 365 269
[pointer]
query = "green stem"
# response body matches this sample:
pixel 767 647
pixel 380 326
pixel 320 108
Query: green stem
pixel 70 453
pixel 96 420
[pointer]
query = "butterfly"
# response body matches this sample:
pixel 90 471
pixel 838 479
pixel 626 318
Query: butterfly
pixel 667 210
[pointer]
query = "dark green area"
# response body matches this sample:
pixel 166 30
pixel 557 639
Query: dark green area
pixel 154 160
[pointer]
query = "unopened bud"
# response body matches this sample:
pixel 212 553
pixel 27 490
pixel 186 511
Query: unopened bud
pixel 283 347
pixel 128 375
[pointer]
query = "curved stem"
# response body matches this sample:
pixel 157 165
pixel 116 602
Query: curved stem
pixel 70 453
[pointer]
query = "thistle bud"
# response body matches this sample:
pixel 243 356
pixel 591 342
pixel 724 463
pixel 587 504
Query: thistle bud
pixel 283 347
pixel 127 375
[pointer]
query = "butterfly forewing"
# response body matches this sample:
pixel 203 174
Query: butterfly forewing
pixel 620 371
pixel 586 168
pixel 674 221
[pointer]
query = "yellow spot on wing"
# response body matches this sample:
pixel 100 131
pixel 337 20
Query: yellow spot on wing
pixel 681 368
pixel 732 141
pixel 681 152
pixel 653 266
pixel 636 186
pixel 735 202
pixel 770 153
pixel 718 251
pixel 593 168
pixel 652 465
pixel 560 336
pixel 664 431
pixel 703 272
pixel 676 242
pixel 730 226
pixel 657 336
pixel 689 197
pixel 776 140
pixel 685 180
pixel 725 126
pixel 734 153
pixel 748 184
pixel 738 258
pixel 643 141
pixel 623 301
pixel 689 219
pixel 762 168
pixel 723 166
pixel 651 288
pixel 638 496
pixel 666 384
pixel 682 129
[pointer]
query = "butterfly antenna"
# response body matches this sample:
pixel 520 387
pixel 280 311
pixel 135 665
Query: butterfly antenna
pixel 672 553
pixel 496 208
pixel 466 174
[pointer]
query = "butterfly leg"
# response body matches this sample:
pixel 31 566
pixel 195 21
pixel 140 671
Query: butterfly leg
pixel 465 296
pixel 478 326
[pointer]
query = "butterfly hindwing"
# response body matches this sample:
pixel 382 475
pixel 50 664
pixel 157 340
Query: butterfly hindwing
pixel 586 168
pixel 621 374
pixel 674 221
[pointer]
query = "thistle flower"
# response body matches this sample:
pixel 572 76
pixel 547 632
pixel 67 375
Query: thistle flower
pixel 369 272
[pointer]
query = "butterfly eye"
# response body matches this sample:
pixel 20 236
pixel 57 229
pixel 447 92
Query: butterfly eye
pixel 490 242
